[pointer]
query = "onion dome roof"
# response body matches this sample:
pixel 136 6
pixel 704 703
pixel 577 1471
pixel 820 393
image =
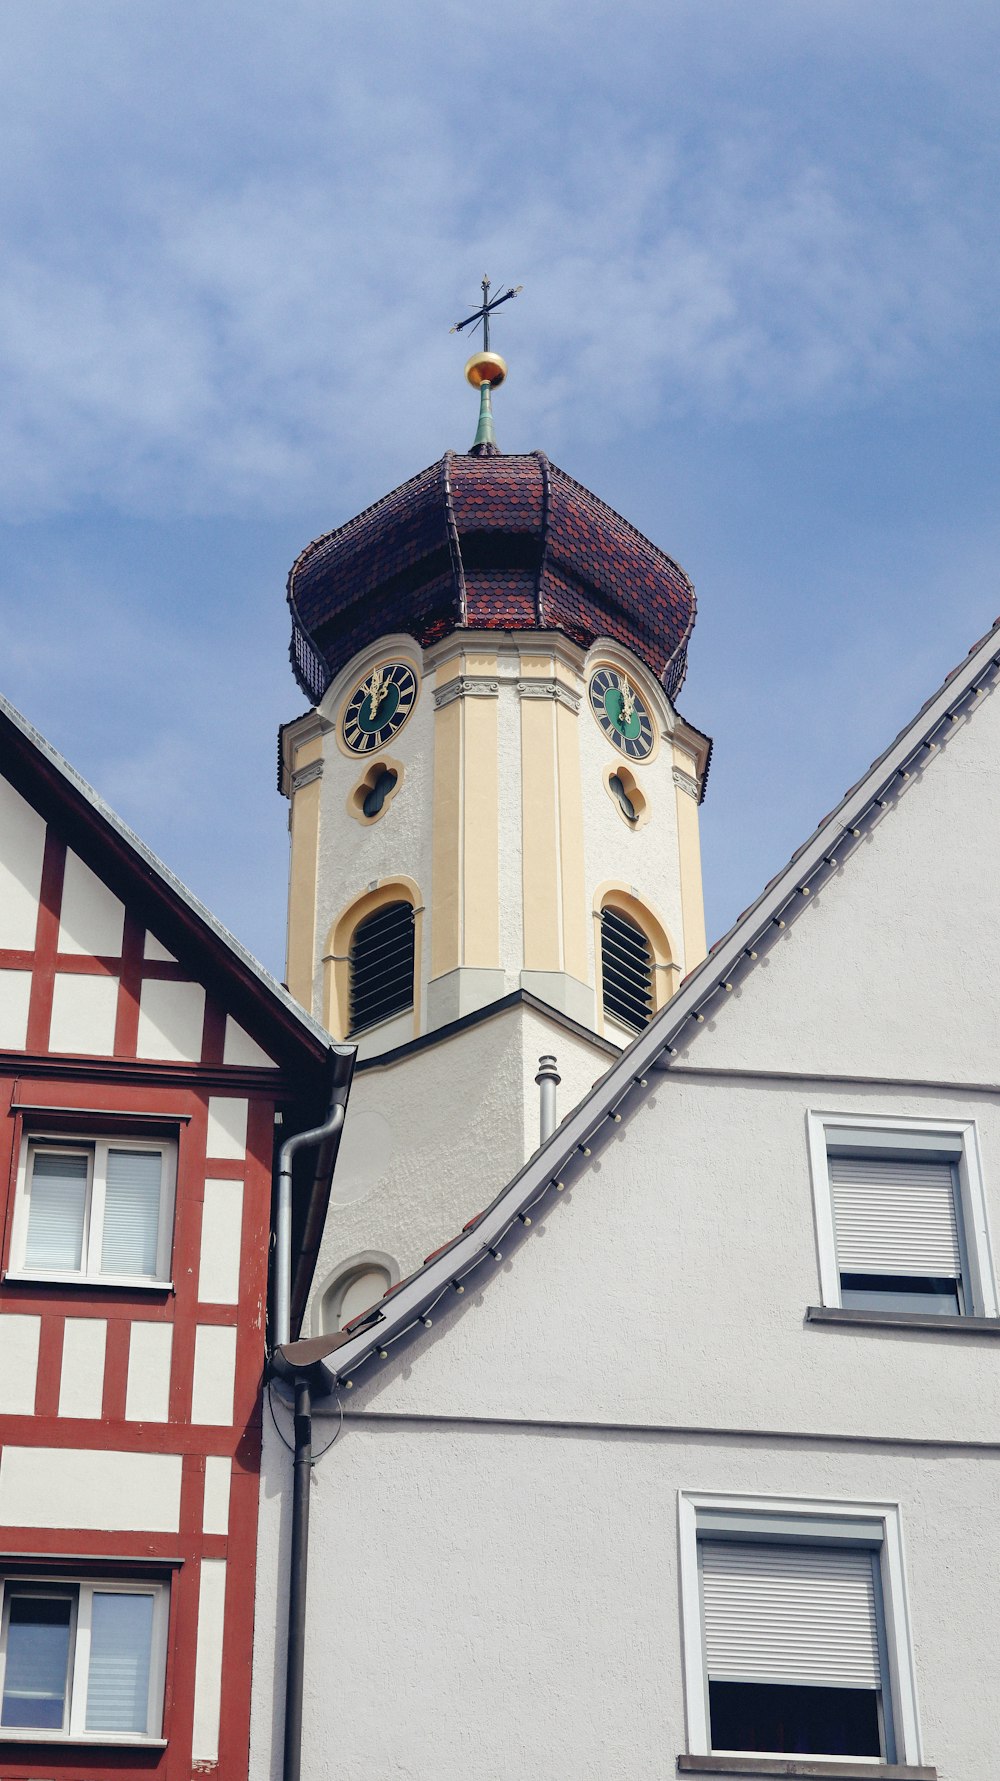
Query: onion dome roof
pixel 487 541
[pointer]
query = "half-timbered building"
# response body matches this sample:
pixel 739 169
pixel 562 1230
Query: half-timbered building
pixel 148 1065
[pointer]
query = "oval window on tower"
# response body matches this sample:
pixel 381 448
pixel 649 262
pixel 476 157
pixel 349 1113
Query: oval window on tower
pixel 381 966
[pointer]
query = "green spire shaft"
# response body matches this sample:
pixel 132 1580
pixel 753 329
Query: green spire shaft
pixel 484 432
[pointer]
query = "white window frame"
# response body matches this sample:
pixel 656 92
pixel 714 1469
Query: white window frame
pixel 818 1513
pixel 74 1728
pixel 823 1129
pixel 95 1146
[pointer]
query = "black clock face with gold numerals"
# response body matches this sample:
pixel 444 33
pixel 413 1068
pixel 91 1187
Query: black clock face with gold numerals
pixel 620 711
pixel 379 706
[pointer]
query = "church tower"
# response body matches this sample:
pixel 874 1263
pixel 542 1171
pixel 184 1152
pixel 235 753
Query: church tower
pixel 494 828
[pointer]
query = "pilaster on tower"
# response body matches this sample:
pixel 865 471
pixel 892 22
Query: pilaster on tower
pixel 494 824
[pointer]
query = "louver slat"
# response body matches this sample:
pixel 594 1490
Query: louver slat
pixel 626 970
pixel 382 966
pixel 895 1217
pixel 797 1615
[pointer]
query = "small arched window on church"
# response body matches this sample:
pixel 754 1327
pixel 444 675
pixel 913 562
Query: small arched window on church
pixel 626 970
pixel 381 966
pixel 353 1291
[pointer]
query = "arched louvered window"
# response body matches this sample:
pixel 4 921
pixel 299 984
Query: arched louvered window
pixel 381 966
pixel 626 970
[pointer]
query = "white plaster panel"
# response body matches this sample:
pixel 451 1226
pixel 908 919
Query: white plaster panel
pixel 365 1155
pixel 171 1020
pixel 65 1487
pixel 218 1483
pixel 152 948
pixel 694 1227
pixel 239 1048
pixel 208 1661
pixel 214 1374
pixel 510 825
pixel 84 1011
pixel 544 1565
pixel 91 917
pixel 81 1380
pixel 221 1240
pixel 429 1140
pixel 890 968
pixel 147 1394
pixel 22 845
pixel 15 995
pixel 19 1336
pixel 227 1127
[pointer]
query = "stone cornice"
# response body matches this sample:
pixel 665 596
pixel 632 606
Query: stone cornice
pixel 549 689
pixel 466 686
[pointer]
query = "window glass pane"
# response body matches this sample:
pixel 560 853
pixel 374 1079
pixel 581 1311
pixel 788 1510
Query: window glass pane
pixel 794 1721
pixel 57 1210
pixel 121 1642
pixel 37 1660
pixel 876 1292
pixel 131 1212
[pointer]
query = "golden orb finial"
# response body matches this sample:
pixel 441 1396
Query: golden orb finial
pixel 486 367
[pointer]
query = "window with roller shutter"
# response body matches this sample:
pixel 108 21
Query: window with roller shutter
pixel 94 1209
pixel 794 1656
pixel 897 1222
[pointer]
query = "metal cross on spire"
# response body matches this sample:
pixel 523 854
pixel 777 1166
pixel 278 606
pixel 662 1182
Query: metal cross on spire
pixel 485 310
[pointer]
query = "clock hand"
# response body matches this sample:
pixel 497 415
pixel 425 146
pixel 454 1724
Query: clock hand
pixel 628 704
pixel 377 690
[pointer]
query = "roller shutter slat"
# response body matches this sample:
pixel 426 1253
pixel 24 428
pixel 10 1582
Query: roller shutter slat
pixel 800 1616
pixel 895 1217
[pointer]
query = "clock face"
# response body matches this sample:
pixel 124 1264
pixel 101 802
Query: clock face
pixel 621 713
pixel 379 706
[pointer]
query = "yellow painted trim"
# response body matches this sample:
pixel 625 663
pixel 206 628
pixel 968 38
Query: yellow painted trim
pixel 689 867
pixel 356 795
pixel 480 852
pixel 541 877
pixel 336 955
pixel 446 837
pixel 572 870
pixel 303 866
pixel 613 894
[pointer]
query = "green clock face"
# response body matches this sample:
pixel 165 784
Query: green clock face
pixel 379 706
pixel 620 711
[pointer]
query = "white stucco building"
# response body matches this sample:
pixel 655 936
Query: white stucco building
pixel 683 1458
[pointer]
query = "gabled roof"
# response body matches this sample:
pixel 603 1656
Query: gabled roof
pixel 177 916
pixel 556 1164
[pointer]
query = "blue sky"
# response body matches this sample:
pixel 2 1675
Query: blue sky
pixel 759 253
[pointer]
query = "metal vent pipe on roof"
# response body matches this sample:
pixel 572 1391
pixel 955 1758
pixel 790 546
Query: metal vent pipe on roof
pixel 548 1080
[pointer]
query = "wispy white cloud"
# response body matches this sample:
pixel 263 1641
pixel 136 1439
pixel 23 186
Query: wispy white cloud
pixel 234 254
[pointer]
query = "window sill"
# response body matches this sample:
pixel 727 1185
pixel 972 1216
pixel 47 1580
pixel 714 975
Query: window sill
pixel 781 1768
pixel 905 1320
pixel 89 1740
pixel 89 1282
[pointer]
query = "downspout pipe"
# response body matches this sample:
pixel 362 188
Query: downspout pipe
pixel 291 1763
pixel 323 1134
